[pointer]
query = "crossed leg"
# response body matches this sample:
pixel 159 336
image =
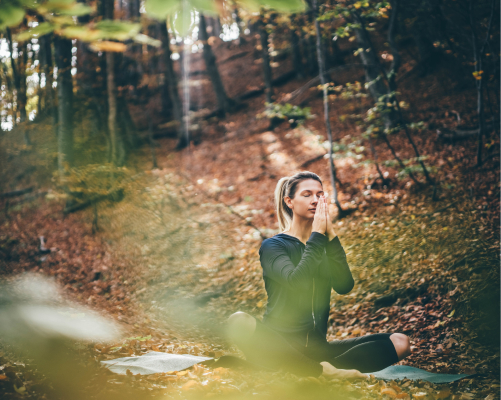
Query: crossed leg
pixel 367 353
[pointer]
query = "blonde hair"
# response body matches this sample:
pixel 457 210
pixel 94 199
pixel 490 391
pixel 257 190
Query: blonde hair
pixel 286 187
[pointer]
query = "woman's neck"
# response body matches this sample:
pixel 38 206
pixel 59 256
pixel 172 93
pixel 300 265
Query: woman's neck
pixel 300 228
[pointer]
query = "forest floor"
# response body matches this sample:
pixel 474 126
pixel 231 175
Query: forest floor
pixel 179 254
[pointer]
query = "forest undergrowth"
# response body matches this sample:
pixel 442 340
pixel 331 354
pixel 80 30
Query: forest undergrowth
pixel 172 262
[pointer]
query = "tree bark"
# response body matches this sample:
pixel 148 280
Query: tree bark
pixel 296 49
pixel 22 98
pixel 377 87
pixel 225 103
pixel 19 75
pixel 397 61
pixel 171 81
pixel 478 58
pixel 117 146
pixel 324 82
pixel 263 34
pixel 65 103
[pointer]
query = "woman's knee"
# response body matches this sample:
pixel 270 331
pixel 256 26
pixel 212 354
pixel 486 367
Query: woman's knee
pixel 402 344
pixel 240 326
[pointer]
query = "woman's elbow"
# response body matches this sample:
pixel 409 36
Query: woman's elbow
pixel 346 287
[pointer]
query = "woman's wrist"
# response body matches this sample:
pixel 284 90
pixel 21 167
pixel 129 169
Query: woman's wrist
pixel 331 234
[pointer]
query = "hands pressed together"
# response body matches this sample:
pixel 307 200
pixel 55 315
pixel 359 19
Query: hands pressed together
pixel 322 222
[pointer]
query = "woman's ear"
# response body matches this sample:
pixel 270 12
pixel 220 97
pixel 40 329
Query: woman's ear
pixel 288 201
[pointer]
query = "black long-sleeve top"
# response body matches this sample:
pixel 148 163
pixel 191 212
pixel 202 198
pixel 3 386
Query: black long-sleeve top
pixel 298 279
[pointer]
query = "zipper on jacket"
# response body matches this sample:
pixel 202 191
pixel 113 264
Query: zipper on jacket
pixel 312 312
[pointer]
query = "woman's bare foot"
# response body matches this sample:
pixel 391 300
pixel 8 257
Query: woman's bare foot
pixel 331 372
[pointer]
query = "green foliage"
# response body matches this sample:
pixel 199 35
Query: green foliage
pixel 180 13
pixel 283 6
pixel 344 11
pixel 346 92
pixel 59 18
pixel 411 166
pixel 12 12
pixel 286 111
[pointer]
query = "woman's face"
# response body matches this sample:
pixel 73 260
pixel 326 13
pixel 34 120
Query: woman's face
pixel 305 200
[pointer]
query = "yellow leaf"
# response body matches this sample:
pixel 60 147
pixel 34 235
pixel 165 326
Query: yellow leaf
pixel 443 394
pixel 445 228
pixel 413 216
pixel 106 45
pixel 451 314
pixel 20 390
pixel 389 392
pixel 191 384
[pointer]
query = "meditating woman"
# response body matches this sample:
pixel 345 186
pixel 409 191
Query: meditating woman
pixel 300 267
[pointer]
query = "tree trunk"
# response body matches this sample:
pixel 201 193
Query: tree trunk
pixel 312 61
pixel 65 103
pixel 337 58
pixel 263 34
pixel 225 104
pixel 23 98
pixel 478 55
pixel 241 40
pixel 118 151
pixel 324 83
pixel 397 61
pixel 377 87
pixel 171 81
pixel 50 103
pixel 117 145
pixel 217 27
pixel 16 74
pixel 311 56
pixel 374 154
pixel 297 58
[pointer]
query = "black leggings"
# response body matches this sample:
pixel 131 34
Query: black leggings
pixel 272 350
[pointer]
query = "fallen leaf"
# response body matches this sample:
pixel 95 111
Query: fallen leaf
pixel 389 392
pixel 443 394
pixel 191 384
pixel 20 390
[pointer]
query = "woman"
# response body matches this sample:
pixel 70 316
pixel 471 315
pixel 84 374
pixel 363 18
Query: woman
pixel 300 267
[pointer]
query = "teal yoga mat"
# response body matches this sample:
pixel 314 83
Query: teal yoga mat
pixel 157 362
pixel 394 372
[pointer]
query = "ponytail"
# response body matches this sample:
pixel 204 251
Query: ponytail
pixel 284 213
pixel 286 187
